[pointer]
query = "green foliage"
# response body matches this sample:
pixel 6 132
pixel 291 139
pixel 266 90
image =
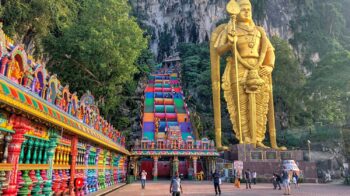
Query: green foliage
pixel 322 28
pixel 196 73
pixel 99 51
pixel 298 137
pixel 145 62
pixel 29 22
pixel 328 87
pixel 288 81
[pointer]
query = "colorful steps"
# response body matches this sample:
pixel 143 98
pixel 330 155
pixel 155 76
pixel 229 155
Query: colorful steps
pixel 163 101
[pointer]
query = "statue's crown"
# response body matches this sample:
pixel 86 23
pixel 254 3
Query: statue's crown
pixel 244 2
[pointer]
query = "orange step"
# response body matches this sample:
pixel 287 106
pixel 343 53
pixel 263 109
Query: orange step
pixel 148 117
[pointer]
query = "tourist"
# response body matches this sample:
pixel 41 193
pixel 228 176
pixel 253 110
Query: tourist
pixel 238 179
pixel 216 180
pixel 276 181
pixel 254 177
pixel 143 178
pixel 175 185
pixel 286 181
pixel 295 179
pixel 248 178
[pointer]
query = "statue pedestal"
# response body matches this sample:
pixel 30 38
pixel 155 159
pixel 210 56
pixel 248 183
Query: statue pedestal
pixel 247 152
pixel 267 161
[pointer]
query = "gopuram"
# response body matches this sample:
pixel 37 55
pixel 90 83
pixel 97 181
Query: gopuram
pixel 247 89
pixel 51 141
pixel 168 143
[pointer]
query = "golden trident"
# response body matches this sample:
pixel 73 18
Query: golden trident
pixel 233 9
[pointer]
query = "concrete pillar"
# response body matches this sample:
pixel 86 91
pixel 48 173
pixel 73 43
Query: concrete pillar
pixel 195 167
pixel 175 165
pixel 136 168
pixel 74 152
pixel 155 168
pixel 21 127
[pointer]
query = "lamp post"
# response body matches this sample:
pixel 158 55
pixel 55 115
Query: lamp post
pixel 308 144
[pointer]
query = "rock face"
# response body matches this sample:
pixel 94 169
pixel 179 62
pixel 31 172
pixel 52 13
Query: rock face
pixel 278 15
pixel 170 22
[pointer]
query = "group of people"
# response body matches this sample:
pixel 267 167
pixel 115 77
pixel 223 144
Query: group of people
pixel 249 177
pixel 285 178
pixel 175 185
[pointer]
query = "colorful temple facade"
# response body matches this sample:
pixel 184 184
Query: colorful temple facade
pixel 168 143
pixel 52 142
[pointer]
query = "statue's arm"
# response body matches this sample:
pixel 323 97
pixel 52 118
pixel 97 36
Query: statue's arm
pixel 222 44
pixel 269 61
pixel 270 55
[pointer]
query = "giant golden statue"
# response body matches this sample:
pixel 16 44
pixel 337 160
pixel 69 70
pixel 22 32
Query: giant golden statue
pixel 246 81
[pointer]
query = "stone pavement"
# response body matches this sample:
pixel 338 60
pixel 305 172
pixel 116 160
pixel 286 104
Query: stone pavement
pixel 161 188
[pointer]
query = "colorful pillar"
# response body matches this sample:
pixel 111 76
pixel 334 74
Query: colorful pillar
pixel 50 154
pixel 14 150
pixel 175 165
pixel 155 168
pixel 195 167
pixel 96 185
pixel 74 151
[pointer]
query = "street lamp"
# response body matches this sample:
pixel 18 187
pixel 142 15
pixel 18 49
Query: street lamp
pixel 309 143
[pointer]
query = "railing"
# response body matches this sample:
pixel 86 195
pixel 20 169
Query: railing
pixel 192 145
pixel 62 112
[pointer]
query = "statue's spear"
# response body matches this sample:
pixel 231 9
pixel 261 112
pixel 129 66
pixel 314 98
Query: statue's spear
pixel 233 9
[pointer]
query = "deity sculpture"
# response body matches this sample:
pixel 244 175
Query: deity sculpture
pixel 16 73
pixel 246 81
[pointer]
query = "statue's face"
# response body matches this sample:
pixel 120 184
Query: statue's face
pixel 246 13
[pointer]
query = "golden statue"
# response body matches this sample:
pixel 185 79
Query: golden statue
pixel 15 72
pixel 246 81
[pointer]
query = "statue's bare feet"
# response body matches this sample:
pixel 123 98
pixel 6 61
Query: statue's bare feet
pixel 261 145
pixel 222 148
pixel 279 148
pixel 247 140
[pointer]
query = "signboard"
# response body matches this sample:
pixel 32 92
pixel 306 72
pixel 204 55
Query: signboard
pixel 228 165
pixel 286 155
pixel 256 155
pixel 271 155
pixel 238 165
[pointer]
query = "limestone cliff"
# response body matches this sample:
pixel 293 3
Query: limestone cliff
pixel 170 22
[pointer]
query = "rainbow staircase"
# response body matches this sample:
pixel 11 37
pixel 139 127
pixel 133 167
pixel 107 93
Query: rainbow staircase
pixel 164 100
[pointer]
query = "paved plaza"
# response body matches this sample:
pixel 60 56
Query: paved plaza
pixel 161 188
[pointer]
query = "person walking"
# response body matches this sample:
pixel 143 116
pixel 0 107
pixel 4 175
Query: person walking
pixel 276 181
pixel 248 177
pixel 216 180
pixel 238 179
pixel 175 185
pixel 286 181
pixel 254 177
pixel 143 179
pixel 295 179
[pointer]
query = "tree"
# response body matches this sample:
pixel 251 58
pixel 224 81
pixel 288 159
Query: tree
pixel 98 51
pixel 288 81
pixel 29 22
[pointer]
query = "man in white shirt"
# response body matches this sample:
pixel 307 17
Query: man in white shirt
pixel 143 178
pixel 175 185
pixel 254 177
